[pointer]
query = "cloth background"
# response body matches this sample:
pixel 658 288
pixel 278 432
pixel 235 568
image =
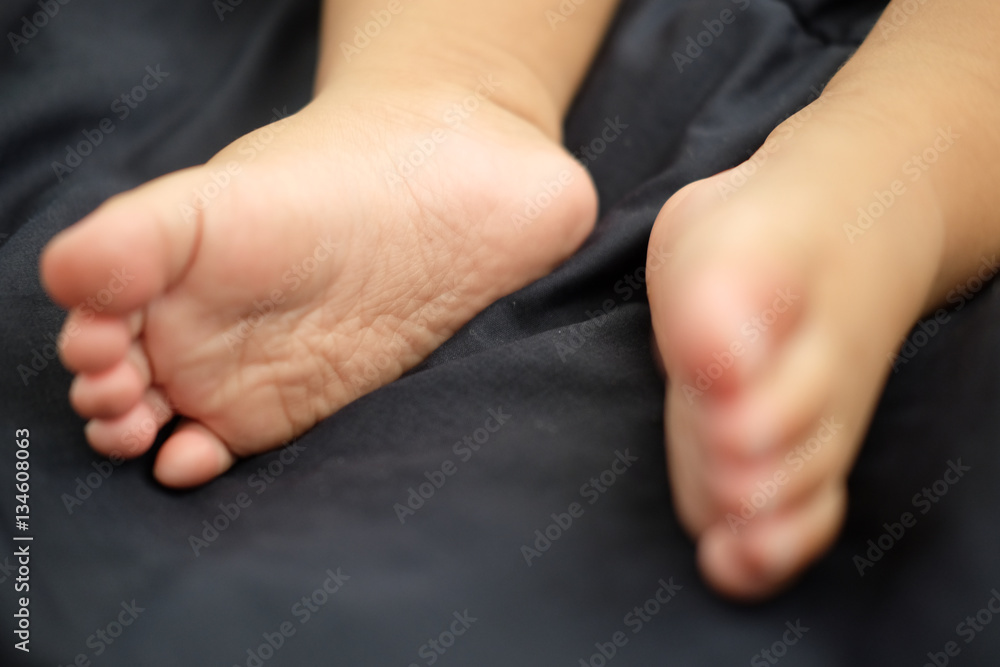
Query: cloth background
pixel 331 505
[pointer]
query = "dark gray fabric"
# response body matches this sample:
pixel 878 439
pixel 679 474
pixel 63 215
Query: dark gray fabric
pixel 580 393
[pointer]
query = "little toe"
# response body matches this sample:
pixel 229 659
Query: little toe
pixel 756 561
pixel 192 456
pixel 693 504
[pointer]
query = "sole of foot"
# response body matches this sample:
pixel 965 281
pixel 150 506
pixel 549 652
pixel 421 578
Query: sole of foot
pixel 310 262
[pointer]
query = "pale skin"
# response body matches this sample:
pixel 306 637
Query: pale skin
pixel 389 261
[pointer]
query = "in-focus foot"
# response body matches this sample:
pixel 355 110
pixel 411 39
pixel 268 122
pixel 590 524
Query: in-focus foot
pixel 308 263
pixel 774 318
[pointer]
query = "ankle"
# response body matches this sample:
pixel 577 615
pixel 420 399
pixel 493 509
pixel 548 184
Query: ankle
pixel 942 119
pixel 451 71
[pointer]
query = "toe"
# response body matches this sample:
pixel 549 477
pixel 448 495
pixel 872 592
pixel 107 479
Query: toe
pixel 114 392
pixel 726 297
pixel 93 344
pixel 127 251
pixel 788 436
pixel 769 553
pixel 192 456
pixel 723 331
pixel 133 433
pixel 785 403
pixel 686 468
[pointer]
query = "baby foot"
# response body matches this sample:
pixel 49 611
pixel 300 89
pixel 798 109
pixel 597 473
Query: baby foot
pixel 314 260
pixel 792 278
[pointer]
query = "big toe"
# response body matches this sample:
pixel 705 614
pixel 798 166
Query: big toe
pixel 127 251
pixel 726 297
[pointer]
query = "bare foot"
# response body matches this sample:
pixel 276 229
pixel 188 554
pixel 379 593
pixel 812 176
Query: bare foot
pixel 792 278
pixel 310 262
